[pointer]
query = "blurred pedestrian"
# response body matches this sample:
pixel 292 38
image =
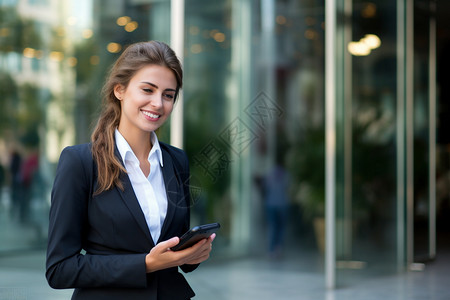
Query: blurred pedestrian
pixel 276 184
pixel 15 166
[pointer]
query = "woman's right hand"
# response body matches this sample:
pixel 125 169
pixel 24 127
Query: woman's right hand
pixel 161 257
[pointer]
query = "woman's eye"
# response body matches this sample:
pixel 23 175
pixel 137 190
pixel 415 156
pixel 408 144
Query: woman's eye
pixel 168 96
pixel 147 90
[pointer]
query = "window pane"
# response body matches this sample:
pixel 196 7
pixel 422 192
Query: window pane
pixel 54 57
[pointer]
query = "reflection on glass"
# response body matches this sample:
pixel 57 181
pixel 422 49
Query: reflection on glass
pixel 261 86
pixel 52 57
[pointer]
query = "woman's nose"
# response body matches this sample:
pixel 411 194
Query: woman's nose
pixel 156 100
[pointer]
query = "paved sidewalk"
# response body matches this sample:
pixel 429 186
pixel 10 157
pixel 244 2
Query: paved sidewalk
pixel 22 278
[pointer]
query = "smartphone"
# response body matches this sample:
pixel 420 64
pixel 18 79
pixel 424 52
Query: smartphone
pixel 196 234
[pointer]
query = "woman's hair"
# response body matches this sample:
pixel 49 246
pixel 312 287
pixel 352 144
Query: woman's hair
pixel 133 59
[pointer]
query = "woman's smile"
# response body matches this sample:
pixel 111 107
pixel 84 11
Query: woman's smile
pixel 151 116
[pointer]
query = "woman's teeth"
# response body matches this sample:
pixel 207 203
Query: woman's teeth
pixel 150 115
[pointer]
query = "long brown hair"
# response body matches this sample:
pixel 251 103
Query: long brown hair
pixel 134 58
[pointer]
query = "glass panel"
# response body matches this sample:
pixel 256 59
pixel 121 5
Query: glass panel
pixel 207 74
pixel 421 132
pixel 366 192
pixel 253 93
pixel 253 111
pixel 53 60
pixel 254 122
pixel 443 127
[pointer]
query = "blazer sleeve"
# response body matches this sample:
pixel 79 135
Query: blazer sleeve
pixel 66 266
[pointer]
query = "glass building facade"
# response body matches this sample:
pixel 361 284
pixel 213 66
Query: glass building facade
pixel 254 120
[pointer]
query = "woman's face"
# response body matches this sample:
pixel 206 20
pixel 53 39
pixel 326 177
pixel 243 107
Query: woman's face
pixel 147 101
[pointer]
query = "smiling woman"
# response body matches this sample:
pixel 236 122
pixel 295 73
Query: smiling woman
pixel 115 198
pixel 140 62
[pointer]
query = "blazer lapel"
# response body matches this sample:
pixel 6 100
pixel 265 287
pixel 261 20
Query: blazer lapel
pixel 129 197
pixel 172 182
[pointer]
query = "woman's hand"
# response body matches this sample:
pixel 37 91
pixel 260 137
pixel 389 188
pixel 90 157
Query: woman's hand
pixel 161 257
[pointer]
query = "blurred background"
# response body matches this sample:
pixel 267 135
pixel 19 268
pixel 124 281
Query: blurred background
pixel 253 121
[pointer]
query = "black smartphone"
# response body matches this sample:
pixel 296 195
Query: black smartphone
pixel 196 234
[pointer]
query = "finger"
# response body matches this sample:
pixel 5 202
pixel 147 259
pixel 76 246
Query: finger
pixel 169 243
pixel 202 244
pixel 212 237
pixel 206 247
pixel 201 253
pixel 199 259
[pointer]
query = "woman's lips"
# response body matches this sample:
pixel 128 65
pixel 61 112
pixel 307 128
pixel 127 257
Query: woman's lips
pixel 150 115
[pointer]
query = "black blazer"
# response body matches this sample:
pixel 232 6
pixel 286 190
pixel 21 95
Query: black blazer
pixel 97 243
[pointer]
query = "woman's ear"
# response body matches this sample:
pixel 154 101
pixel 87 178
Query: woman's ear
pixel 118 91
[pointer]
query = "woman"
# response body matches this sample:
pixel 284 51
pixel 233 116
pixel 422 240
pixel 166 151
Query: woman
pixel 120 202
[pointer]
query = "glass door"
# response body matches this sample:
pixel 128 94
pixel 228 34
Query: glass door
pixel 424 129
pixel 385 137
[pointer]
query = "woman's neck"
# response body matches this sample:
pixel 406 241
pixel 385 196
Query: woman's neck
pixel 139 142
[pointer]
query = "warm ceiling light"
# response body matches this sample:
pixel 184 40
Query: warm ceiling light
pixel 365 45
pixel 87 33
pixel 56 56
pixel 371 40
pixel 114 47
pixel 29 52
pixel 132 26
pixel 122 21
pixel 358 48
pixel 369 11
pixel 219 37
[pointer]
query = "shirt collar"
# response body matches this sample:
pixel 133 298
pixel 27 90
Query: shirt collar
pixel 125 149
pixel 156 148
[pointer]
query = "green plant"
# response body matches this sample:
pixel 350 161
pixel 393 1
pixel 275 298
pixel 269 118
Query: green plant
pixel 306 163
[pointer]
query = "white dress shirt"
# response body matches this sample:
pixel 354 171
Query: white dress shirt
pixel 150 191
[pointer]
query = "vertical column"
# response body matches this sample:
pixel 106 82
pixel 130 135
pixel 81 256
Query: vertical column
pixel 330 142
pixel 177 44
pixel 400 117
pixel 409 114
pixel 348 132
pixel 240 95
pixel 432 132
pixel 268 42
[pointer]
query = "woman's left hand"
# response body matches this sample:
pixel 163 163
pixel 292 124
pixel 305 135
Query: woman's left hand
pixel 161 257
pixel 203 253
